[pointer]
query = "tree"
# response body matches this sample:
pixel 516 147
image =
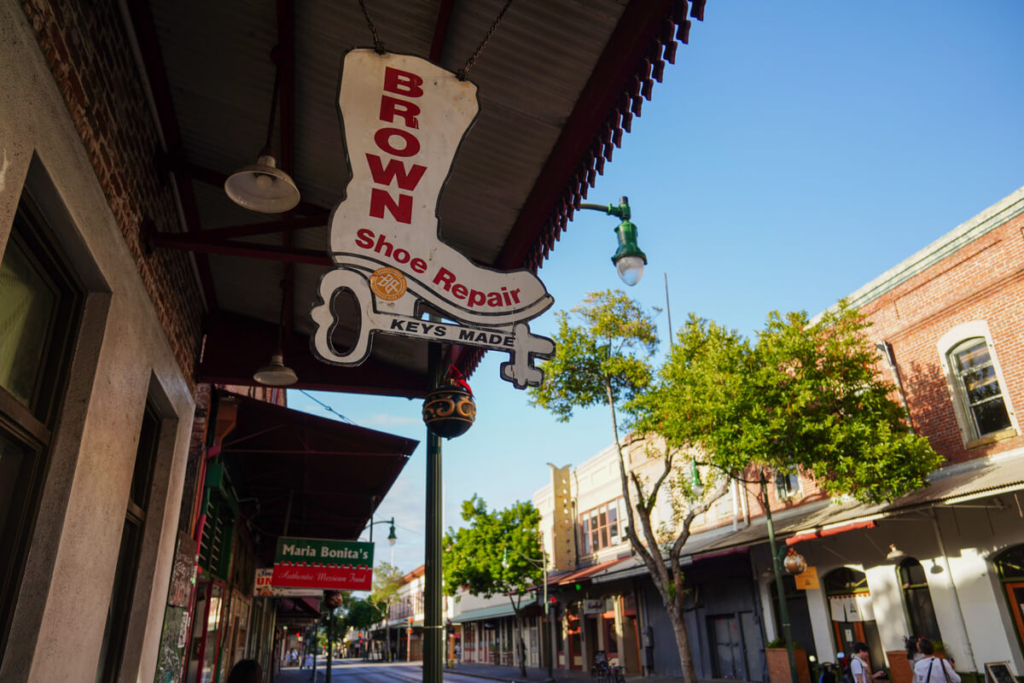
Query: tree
pixel 486 557
pixel 387 580
pixel 604 352
pixel 361 616
pixel 804 397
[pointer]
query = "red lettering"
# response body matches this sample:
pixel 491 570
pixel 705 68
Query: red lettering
pixel 383 139
pixel 445 278
pixel 401 210
pixel 364 238
pixel 477 298
pixel 515 295
pixel 419 265
pixel 382 243
pixel 402 82
pixel 390 107
pixel 395 172
pixel 401 255
pixel 459 291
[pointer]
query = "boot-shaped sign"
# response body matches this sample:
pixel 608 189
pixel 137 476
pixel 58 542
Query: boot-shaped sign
pixel 403 120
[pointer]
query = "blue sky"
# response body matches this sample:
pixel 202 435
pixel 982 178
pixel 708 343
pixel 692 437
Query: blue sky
pixel 788 158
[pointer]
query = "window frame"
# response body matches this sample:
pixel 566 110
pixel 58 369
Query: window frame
pixel 906 587
pixel 787 492
pixel 949 342
pixel 33 425
pixel 586 531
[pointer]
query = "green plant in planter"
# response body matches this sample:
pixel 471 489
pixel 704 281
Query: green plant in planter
pixel 781 643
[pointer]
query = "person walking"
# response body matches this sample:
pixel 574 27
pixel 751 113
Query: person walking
pixel 932 669
pixel 860 665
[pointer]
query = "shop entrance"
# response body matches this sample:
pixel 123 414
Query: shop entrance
pixel 1010 566
pixel 852 613
pixel 204 647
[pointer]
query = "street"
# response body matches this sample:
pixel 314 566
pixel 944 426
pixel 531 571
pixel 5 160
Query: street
pixel 353 670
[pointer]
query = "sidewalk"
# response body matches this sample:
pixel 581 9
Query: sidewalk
pixel 511 673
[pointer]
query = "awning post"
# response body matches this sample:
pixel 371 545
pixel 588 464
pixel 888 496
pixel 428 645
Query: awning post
pixel 433 640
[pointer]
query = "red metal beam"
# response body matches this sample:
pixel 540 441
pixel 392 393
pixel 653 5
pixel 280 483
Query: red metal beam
pixel 286 100
pixel 156 74
pixel 637 27
pixel 444 16
pixel 270 252
pixel 237 345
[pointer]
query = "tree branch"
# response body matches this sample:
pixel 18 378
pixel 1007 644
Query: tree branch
pixel 692 514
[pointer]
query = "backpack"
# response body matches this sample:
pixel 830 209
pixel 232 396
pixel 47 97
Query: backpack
pixel 848 674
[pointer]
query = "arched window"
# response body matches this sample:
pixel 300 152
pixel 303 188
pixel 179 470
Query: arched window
pixel 1010 567
pixel 983 410
pixel 918 599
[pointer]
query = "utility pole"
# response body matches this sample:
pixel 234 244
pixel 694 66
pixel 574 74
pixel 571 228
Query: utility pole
pixel 777 567
pixel 433 627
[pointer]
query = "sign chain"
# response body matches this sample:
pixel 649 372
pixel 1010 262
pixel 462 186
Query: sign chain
pixel 464 71
pixel 378 44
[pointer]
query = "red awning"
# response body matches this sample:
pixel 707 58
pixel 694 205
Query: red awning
pixel 327 477
pixel 832 530
pixel 587 572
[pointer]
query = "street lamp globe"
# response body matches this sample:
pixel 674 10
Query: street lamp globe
pixel 631 269
pixel 392 539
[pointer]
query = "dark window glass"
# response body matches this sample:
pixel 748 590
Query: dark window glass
pixel 40 302
pixel 119 611
pixel 27 309
pixel 1010 564
pixel 918 599
pixel 979 387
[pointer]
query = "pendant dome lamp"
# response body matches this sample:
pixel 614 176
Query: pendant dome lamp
pixel 262 186
pixel 277 374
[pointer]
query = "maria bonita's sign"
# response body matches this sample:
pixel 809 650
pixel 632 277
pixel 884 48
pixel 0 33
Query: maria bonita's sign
pixel 322 565
pixel 403 120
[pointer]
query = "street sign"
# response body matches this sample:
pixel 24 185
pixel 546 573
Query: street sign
pixel 403 120
pixel 322 564
pixel 264 587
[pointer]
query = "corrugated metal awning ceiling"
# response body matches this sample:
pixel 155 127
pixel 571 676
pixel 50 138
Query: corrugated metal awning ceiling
pixel 532 77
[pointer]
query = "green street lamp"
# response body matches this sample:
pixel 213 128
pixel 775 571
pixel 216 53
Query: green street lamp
pixel 629 260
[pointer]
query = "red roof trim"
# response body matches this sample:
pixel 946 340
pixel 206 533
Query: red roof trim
pixel 632 60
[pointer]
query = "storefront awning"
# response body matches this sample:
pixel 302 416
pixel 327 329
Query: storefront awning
pixel 587 572
pixel 325 477
pixel 492 612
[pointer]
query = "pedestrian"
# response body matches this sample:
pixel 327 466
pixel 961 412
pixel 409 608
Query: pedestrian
pixel 924 670
pixel 246 671
pixel 860 665
pixel 913 654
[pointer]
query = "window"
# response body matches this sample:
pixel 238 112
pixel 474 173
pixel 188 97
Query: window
pixel 918 599
pixel 976 384
pixel 119 611
pixel 980 392
pixel 604 526
pixel 787 485
pixel 40 304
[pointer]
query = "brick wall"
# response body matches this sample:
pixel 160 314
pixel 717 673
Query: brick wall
pixel 982 281
pixel 87 50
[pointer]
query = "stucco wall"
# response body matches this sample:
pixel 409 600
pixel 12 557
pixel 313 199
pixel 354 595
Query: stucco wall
pixel 122 356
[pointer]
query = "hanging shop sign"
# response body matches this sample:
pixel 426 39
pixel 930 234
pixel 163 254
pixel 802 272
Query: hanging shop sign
pixel 403 120
pixel 322 565
pixel 592 607
pixel 807 579
pixel 264 587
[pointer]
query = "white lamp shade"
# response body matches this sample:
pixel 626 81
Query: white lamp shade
pixel 631 269
pixel 263 187
pixel 277 374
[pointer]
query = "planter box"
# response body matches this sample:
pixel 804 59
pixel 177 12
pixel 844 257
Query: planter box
pixel 899 667
pixel 778 665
